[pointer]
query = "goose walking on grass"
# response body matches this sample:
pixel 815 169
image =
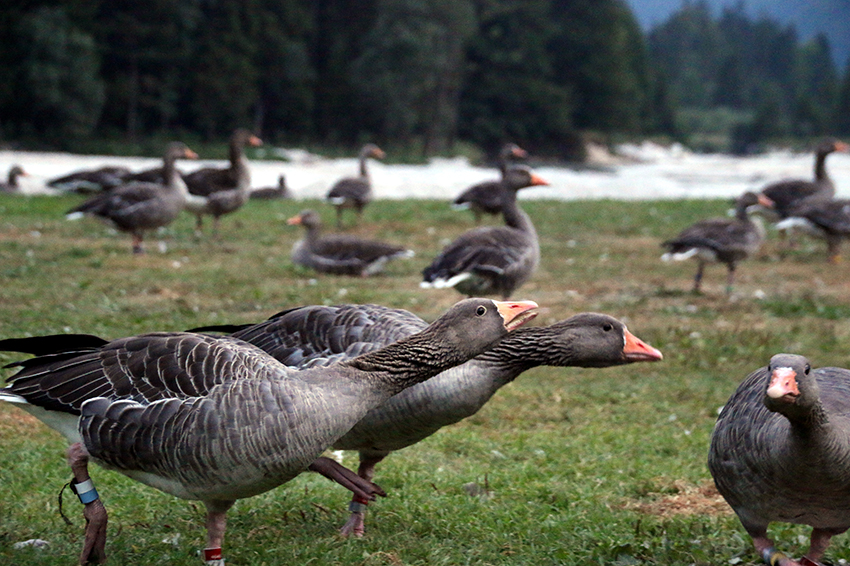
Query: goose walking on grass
pixel 719 240
pixel 218 419
pixel 313 336
pixel 141 207
pixel 216 192
pixel 355 192
pixel 491 259
pixel 340 254
pixel 780 452
pixel 486 197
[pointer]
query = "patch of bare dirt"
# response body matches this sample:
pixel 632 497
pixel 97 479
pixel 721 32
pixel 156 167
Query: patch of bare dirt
pixel 688 499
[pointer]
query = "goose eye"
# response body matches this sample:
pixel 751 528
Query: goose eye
pixel 808 369
pixel 607 327
pixel 481 311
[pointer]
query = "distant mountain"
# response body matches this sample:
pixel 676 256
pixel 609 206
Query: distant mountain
pixel 809 17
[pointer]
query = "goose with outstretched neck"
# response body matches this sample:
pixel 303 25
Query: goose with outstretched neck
pixel 779 452
pixel 491 259
pixel 355 192
pixel 137 208
pixel 218 419
pixel 317 335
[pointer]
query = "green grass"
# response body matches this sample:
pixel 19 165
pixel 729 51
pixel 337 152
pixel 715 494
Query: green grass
pixel 583 465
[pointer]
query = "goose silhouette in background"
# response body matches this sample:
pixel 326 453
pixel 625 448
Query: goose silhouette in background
pixel 140 207
pixel 340 254
pixel 217 419
pixel 720 240
pixel 486 197
pixel 355 192
pixel 491 259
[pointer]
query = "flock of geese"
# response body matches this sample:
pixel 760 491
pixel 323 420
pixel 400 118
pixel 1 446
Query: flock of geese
pixel 222 413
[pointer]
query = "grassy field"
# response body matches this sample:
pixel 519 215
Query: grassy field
pixel 580 466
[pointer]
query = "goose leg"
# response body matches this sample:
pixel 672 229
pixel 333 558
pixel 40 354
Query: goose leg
pixel 339 217
pixel 360 487
pixel 94 546
pixel 817 546
pixel 216 524
pixel 138 248
pixel 698 277
pixel 356 524
pixel 730 278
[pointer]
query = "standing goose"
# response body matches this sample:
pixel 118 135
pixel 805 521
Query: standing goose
pixel 825 219
pixel 318 335
pixel 786 195
pixel 217 419
pixel 719 240
pixel 486 197
pixel 222 190
pixel 281 191
pixel 140 207
pixel 491 259
pixel 339 253
pixel 11 184
pixel 355 192
pixel 779 452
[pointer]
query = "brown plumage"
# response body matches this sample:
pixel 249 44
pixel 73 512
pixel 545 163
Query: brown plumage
pixel 786 195
pixel 281 191
pixel 11 184
pixel 486 197
pixel 340 254
pixel 779 452
pixel 355 192
pixel 138 207
pixel 492 259
pixel 222 191
pixel 91 180
pixel 217 419
pixel 322 335
pixel 825 219
pixel 719 240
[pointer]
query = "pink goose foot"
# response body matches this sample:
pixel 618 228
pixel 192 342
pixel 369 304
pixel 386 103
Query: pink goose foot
pixel 94 546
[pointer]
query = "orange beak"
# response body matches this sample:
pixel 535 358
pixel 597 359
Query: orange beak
pixel 841 146
pixel 295 220
pixel 255 141
pixel 636 350
pixel 765 201
pixel 783 385
pixel 538 180
pixel 189 154
pixel 515 313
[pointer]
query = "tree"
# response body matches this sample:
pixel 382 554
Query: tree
pixel 816 87
pixel 411 68
pixel 60 73
pixel 842 106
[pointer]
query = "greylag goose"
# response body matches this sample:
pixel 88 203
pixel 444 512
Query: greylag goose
pixel 319 335
pixel 491 259
pixel 91 180
pixel 719 240
pixel 486 197
pixel 281 191
pixel 786 195
pixel 355 192
pixel 340 254
pixel 223 191
pixel 825 219
pixel 139 207
pixel 217 419
pixel 11 184
pixel 779 452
